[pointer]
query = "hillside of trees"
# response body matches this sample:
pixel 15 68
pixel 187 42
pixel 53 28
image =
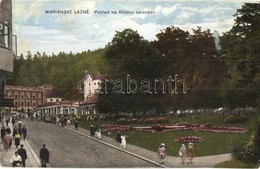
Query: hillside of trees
pixel 229 77
pixel 62 70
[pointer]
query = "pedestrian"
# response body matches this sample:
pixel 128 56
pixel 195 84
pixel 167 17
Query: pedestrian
pixel 183 153
pixel 76 124
pixel 62 122
pixel 92 130
pixel 3 132
pixel 16 160
pixel 20 130
pixel 6 122
pixel 15 131
pixel 98 134
pixel 13 121
pixel 44 155
pixel 22 152
pixel 8 139
pixel 123 141
pixel 190 152
pixel 8 130
pixel 24 132
pixel 118 137
pixel 19 123
pixel 17 139
pixel 162 153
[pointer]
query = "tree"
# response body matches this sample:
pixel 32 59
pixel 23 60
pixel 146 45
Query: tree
pixel 129 55
pixel 193 57
pixel 241 53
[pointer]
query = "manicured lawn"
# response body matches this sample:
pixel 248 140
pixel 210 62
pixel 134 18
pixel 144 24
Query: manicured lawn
pixel 233 163
pixel 215 143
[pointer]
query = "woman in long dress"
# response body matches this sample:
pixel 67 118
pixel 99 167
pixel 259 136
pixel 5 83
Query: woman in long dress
pixel 7 142
pixel 123 142
pixel 162 153
pixel 183 153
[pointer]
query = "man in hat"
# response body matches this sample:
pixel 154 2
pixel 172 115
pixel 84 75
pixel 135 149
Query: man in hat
pixel 44 155
pixel 162 153
pixel 190 153
pixel 16 159
pixel 22 152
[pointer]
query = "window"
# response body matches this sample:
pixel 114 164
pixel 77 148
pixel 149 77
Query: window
pixel 5 24
pixel 28 96
pixel 39 95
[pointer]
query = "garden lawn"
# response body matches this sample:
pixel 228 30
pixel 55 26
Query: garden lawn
pixel 214 143
pixel 233 163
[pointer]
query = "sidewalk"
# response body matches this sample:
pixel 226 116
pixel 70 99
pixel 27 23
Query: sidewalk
pixel 170 161
pixel 32 158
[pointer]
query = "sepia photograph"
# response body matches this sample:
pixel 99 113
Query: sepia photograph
pixel 130 84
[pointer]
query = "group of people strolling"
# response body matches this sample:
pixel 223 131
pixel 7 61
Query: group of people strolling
pixel 95 131
pixel 19 157
pixel 184 153
pixel 121 138
pixel 17 135
pixel 8 138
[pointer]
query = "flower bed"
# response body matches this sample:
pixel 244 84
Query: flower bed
pixel 224 129
pixel 187 139
pixel 143 120
pixel 174 127
pixel 113 127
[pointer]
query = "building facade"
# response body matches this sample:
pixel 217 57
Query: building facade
pixel 55 106
pixel 66 107
pixel 26 98
pixel 6 46
pixel 92 85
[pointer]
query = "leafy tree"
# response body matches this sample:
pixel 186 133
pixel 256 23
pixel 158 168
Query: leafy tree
pixel 129 54
pixel 193 58
pixel 241 53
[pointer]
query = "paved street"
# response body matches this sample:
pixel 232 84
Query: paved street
pixel 69 149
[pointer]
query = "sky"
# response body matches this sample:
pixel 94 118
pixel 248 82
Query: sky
pixel 38 30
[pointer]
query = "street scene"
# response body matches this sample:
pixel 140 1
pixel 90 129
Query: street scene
pixel 116 84
pixel 78 148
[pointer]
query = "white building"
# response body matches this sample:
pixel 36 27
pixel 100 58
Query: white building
pixel 92 85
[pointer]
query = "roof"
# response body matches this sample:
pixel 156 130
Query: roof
pixel 100 77
pixel 54 93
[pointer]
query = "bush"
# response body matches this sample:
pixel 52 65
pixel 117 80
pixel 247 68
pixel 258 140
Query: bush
pixel 235 118
pixel 247 152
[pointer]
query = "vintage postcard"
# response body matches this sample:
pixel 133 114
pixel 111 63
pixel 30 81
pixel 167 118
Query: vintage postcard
pixel 129 84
